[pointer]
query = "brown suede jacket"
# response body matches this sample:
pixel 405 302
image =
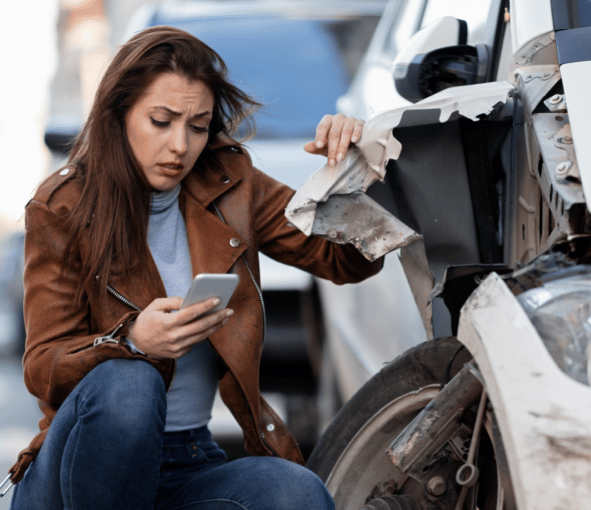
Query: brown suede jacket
pixel 61 348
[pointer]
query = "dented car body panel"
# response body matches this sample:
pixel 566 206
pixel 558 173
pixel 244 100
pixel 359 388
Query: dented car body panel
pixel 544 416
pixel 493 174
pixel 332 202
pixel 367 162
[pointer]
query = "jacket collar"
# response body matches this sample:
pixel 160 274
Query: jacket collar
pixel 210 180
pixel 207 233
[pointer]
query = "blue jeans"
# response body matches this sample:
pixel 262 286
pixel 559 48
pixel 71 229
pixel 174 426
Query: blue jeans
pixel 106 449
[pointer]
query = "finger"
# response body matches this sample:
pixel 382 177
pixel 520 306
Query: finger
pixel 197 326
pixel 334 138
pixel 191 337
pixel 312 149
pixel 322 131
pixel 345 138
pixel 357 130
pixel 180 352
pixel 192 312
pixel 165 304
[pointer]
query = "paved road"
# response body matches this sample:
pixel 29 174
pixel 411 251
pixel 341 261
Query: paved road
pixel 19 415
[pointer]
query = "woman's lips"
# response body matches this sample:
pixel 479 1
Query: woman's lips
pixel 171 169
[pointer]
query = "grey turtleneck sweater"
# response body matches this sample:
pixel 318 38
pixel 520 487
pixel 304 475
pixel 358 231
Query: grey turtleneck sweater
pixel 190 399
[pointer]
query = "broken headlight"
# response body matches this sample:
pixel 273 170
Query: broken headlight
pixel 560 310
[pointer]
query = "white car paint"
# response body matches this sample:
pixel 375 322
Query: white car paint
pixel 529 19
pixel 360 344
pixel 576 77
pixel 439 34
pixel 364 336
pixel 546 435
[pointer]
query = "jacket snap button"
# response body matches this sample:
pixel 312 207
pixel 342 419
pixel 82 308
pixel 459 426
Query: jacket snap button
pixel 270 427
pixel 225 179
pixel 234 243
pixel 65 171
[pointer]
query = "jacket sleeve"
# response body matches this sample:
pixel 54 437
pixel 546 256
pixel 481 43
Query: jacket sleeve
pixel 324 259
pixel 60 347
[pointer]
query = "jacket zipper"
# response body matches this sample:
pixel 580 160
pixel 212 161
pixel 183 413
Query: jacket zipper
pixel 266 443
pixel 256 285
pixel 260 293
pixel 122 298
pixel 108 339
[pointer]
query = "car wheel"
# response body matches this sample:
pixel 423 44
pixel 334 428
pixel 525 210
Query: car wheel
pixel 350 456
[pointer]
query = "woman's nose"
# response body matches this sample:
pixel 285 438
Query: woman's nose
pixel 178 141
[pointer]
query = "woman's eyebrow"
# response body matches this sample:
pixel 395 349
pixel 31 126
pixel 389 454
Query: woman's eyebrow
pixel 178 114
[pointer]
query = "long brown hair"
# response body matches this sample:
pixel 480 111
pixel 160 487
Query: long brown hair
pixel 112 213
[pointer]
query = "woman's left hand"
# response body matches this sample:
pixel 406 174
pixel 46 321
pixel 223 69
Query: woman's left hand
pixel 334 135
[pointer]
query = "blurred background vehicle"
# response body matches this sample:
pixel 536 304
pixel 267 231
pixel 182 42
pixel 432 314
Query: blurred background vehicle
pixel 377 320
pixel 296 58
pixel 12 327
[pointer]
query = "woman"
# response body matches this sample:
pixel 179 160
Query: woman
pixel 155 192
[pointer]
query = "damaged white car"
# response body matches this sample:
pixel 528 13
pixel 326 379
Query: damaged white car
pixel 480 186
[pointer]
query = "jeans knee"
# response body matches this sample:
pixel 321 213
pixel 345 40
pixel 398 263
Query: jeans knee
pixel 308 490
pixel 286 485
pixel 129 393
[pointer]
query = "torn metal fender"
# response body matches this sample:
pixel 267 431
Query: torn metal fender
pixel 349 176
pixel 470 101
pixel 356 218
pixel 370 227
pixel 366 163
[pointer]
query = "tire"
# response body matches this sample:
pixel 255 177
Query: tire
pixel 349 457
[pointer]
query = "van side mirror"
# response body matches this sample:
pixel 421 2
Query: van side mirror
pixel 437 57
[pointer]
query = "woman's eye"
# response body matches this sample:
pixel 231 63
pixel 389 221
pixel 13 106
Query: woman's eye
pixel 159 123
pixel 200 129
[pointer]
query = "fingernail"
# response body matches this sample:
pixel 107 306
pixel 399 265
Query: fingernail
pixel 331 162
pixel 216 301
pixel 319 144
pixel 229 312
pixel 340 157
pixel 354 139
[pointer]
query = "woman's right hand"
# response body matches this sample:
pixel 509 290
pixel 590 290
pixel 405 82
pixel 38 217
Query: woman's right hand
pixel 161 334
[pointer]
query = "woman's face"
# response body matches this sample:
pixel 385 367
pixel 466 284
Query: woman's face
pixel 168 128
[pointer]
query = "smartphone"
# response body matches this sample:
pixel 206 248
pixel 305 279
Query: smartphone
pixel 209 285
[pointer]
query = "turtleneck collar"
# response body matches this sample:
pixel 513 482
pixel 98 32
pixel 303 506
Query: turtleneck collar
pixel 163 200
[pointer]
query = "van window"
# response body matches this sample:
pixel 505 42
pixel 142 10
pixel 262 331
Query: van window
pixel 304 71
